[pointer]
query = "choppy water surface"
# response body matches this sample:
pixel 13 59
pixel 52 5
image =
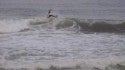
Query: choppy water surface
pixel 87 35
pixel 92 9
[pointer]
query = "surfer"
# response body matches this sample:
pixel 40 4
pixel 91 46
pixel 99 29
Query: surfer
pixel 50 14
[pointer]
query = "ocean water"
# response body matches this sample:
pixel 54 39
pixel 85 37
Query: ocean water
pixel 86 35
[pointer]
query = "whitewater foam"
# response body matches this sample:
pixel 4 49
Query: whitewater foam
pixel 70 64
pixel 13 25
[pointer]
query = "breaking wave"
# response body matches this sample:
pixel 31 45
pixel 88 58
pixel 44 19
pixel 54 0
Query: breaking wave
pixel 90 25
pixel 85 25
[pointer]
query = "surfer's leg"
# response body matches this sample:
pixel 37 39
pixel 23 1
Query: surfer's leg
pixel 52 16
